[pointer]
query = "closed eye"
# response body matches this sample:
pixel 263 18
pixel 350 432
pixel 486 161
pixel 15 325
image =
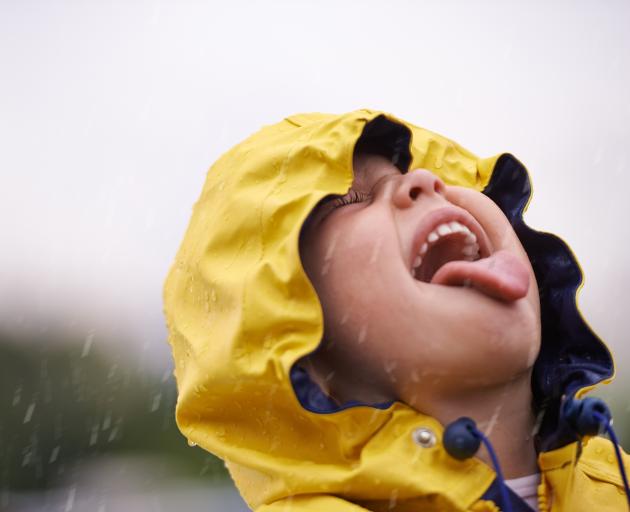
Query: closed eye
pixel 352 196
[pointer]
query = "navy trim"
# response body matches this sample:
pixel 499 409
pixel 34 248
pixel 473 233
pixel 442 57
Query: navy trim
pixel 493 493
pixel 313 399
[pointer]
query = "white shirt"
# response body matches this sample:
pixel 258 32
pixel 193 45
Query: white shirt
pixel 527 488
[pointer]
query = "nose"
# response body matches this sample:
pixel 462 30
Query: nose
pixel 417 184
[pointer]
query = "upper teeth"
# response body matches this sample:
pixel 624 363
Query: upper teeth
pixel 470 250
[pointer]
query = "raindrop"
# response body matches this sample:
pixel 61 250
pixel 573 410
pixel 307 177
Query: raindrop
pixel 156 402
pixel 88 344
pixel 493 420
pixel 112 371
pixel 376 250
pixel 27 456
pixel 70 500
pixel 29 413
pixel 94 435
pixel 192 444
pixel 17 396
pixel 54 454
pixel 107 421
pixel 390 366
pixel 393 498
pixel 113 433
pixel 362 334
pixel 330 249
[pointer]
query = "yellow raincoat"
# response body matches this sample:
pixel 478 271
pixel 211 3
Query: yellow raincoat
pixel 241 311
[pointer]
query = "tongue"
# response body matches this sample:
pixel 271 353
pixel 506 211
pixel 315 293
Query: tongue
pixel 502 275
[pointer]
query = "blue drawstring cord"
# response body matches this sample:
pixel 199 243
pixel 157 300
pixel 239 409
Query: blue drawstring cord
pixel 589 416
pixel 613 437
pixel 495 461
pixel 462 439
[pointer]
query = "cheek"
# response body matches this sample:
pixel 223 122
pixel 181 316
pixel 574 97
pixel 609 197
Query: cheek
pixel 359 249
pixel 357 285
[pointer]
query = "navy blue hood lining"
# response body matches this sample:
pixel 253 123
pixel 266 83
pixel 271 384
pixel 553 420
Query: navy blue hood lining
pixel 572 356
pixel 313 399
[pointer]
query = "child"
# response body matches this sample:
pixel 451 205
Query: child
pixel 351 318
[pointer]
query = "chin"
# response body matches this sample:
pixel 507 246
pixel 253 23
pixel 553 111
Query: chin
pixel 507 352
pixel 495 341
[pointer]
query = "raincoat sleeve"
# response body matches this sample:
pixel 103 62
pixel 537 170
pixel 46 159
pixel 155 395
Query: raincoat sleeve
pixel 312 503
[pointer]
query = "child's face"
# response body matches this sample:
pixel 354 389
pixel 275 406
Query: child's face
pixel 387 327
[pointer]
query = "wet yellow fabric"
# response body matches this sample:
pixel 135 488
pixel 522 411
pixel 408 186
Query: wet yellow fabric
pixel 240 311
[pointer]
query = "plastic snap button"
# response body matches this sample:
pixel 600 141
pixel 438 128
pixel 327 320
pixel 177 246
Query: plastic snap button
pixel 424 437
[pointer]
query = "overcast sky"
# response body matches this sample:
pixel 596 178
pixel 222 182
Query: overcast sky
pixel 112 112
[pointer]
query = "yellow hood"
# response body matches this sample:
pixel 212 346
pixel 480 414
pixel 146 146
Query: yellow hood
pixel 241 311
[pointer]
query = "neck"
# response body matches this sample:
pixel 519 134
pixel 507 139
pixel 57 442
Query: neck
pixel 503 413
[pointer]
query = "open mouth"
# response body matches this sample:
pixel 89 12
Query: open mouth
pixel 448 234
pixel 451 248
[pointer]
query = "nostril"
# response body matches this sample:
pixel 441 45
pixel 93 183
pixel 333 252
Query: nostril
pixel 414 192
pixel 438 186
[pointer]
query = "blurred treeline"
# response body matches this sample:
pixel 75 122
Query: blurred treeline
pixel 64 403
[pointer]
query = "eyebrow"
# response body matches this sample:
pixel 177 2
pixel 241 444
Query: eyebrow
pixel 385 176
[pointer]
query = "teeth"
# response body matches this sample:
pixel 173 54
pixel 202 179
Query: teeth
pixel 448 228
pixel 470 250
pixel 444 229
pixel 456 227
